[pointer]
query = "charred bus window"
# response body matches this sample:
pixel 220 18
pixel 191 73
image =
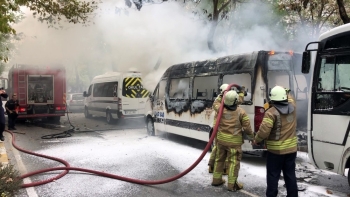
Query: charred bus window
pixel 162 86
pixel 204 88
pixel 242 79
pixel 179 88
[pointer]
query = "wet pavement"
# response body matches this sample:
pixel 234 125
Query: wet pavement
pixel 125 149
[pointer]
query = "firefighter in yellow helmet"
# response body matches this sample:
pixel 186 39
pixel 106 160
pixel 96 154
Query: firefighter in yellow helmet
pixel 230 139
pixel 241 93
pixel 279 129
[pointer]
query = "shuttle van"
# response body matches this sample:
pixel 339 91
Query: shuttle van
pixel 116 95
pixel 182 100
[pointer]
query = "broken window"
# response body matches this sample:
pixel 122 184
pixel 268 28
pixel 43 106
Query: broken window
pixel 179 88
pixel 205 88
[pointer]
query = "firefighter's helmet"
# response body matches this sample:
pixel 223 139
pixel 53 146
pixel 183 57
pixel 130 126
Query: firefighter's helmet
pixel 223 87
pixel 278 93
pixel 230 98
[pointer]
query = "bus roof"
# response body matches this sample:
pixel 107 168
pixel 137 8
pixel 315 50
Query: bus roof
pixel 114 76
pixel 335 31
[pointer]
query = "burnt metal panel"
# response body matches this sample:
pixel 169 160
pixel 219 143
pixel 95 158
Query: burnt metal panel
pixel 237 63
pixel 188 125
pixel 207 67
pixel 178 106
pixel 181 70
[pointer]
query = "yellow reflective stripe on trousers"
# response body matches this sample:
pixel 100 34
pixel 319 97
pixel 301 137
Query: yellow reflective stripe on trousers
pixel 268 120
pixel 229 138
pixel 281 145
pixel 231 177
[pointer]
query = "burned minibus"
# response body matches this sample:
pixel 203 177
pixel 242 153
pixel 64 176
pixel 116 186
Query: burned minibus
pixel 182 100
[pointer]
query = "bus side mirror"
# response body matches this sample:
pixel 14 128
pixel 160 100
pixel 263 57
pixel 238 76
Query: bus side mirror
pixel 84 94
pixel 305 67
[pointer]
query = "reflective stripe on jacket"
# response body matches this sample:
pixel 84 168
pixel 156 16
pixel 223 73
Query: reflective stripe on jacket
pixel 279 130
pixel 231 125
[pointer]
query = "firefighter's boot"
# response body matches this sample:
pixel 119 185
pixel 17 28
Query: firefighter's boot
pixel 218 183
pixel 237 186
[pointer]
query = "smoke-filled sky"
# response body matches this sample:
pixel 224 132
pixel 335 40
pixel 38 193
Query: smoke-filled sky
pixel 122 37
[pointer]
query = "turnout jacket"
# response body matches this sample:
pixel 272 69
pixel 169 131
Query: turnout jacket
pixel 278 127
pixel 231 124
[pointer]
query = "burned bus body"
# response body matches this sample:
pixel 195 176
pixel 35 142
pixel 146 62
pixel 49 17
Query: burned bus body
pixel 182 101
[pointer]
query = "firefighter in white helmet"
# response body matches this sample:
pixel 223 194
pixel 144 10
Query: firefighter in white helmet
pixel 279 129
pixel 229 140
pixel 211 162
pixel 241 93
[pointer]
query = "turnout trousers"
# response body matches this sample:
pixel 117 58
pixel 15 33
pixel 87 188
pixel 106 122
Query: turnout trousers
pixel 274 165
pixel 212 159
pixel 234 156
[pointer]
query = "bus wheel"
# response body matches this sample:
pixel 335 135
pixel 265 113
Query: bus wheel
pixel 86 113
pixel 109 117
pixel 150 127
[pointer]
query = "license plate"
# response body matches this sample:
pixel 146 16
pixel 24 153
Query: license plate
pixel 130 112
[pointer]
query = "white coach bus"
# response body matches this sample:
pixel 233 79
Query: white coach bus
pixel 116 95
pixel 329 112
pixel 182 101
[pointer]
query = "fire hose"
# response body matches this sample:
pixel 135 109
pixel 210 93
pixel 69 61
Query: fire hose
pixel 67 167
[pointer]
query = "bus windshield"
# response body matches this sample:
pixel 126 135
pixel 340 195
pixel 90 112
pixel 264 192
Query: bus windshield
pixel 132 88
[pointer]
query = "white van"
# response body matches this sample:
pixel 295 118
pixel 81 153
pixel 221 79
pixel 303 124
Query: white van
pixel 116 95
pixel 182 101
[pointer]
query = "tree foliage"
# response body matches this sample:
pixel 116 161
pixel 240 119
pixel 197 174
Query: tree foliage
pixel 317 15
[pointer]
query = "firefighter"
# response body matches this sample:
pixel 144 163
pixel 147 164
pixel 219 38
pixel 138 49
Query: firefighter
pixel 241 93
pixel 229 140
pixel 2 115
pixel 279 129
pixel 12 111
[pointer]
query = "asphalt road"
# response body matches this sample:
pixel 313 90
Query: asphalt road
pixel 125 149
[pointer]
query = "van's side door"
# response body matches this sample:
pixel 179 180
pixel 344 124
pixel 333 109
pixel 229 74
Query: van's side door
pixel 159 110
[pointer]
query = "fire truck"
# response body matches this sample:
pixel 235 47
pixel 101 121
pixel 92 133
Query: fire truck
pixel 41 91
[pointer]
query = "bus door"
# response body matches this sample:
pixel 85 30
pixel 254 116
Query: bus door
pixel 158 106
pixel 330 111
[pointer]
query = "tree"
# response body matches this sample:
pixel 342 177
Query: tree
pixel 342 12
pixel 314 14
pixel 50 11
pixel 219 7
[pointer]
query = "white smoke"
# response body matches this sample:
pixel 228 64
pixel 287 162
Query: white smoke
pixel 120 38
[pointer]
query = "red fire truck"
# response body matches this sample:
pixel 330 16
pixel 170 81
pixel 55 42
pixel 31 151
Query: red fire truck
pixel 41 91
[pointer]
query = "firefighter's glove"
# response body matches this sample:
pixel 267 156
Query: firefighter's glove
pixel 241 89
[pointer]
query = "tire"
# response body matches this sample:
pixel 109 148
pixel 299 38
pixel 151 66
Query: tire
pixel 109 117
pixel 150 127
pixel 86 113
